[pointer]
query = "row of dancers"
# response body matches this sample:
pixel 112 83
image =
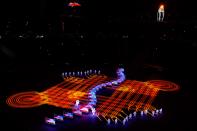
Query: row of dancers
pixel 81 73
pixel 134 114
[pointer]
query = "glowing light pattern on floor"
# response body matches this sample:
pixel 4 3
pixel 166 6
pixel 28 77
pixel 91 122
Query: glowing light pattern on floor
pixel 62 95
pixel 126 96
pixel 25 100
pixel 132 95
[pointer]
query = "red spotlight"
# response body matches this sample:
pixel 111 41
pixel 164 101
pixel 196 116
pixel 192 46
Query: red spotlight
pixel 74 4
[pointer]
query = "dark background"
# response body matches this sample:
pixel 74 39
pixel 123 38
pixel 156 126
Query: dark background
pixel 36 8
pixel 101 35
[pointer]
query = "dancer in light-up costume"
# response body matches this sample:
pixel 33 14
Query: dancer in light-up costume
pixel 160 13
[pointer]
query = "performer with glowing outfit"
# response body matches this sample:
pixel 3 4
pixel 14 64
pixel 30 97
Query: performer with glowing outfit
pixel 134 114
pixel 145 112
pixel 142 113
pixel 116 121
pixel 160 13
pixel 153 113
pixel 160 111
pixel 77 103
pixel 93 111
pixel 108 121
pixel 130 116
pixel 124 121
pixel 50 121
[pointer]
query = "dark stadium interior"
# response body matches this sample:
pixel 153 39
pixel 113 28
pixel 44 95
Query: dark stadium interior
pixel 39 39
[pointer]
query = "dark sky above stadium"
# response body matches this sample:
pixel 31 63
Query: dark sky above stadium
pixel 183 9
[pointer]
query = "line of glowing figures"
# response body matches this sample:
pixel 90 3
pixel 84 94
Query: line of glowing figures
pixel 80 73
pixel 78 112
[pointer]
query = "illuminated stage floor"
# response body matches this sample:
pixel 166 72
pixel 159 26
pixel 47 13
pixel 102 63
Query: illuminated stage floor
pixel 31 107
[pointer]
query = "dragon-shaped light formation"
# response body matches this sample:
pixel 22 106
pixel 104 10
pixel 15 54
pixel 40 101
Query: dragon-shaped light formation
pixel 81 92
